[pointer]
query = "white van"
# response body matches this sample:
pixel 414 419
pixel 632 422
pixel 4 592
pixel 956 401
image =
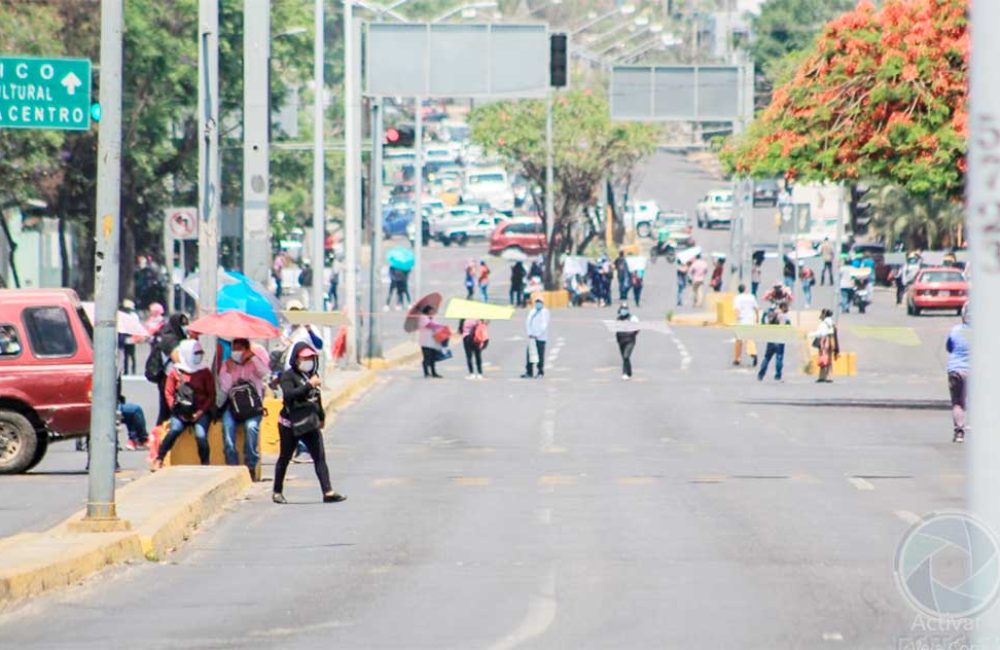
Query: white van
pixel 489 184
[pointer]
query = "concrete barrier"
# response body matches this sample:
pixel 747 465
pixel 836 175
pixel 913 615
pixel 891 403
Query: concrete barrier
pixel 558 299
pixel 845 365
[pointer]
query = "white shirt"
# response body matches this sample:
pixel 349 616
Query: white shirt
pixel 846 277
pixel 426 332
pixel 537 324
pixel 746 308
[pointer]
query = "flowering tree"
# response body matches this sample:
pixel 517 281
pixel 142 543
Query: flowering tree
pixel 882 96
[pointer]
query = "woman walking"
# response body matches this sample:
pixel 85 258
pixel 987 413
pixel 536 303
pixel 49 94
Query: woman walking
pixel 626 340
pixel 484 280
pixel 429 346
pixel 302 419
pixel 474 339
pixel 470 280
pixel 825 340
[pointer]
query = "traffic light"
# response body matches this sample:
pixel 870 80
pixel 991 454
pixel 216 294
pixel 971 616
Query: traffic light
pixel 558 60
pixel 399 136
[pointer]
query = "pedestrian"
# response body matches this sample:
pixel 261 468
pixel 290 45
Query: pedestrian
pixel 430 348
pixel 907 275
pixel 826 341
pixel 536 269
pixel 826 253
pixel 789 272
pixel 747 313
pixel 607 273
pixel 475 338
pixel 517 275
pixel 698 272
pixel 626 340
pixel 160 359
pixel 756 271
pixel 302 419
pixel 717 272
pixel 155 322
pixel 241 385
pixel 958 373
pixel 774 316
pixel 682 277
pixel 190 393
pixel 403 289
pixel 638 282
pixel 331 295
pixel 134 419
pixel 778 294
pixel 396 279
pixel 808 279
pixel 484 280
pixel 300 332
pixel 623 275
pixel 277 272
pixel 537 328
pixel 470 280
pixel 128 342
pixel 846 287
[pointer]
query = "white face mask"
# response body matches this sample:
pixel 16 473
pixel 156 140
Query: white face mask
pixel 538 306
pixel 198 357
pixel 307 366
pixel 237 356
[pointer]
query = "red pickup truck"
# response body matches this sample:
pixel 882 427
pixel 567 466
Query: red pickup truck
pixel 46 373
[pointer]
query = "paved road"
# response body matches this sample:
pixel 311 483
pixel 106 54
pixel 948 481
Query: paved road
pixel 692 507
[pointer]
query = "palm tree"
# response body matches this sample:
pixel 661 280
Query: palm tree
pixel 920 222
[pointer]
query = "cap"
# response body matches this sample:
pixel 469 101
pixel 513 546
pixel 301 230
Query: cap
pixel 295 305
pixel 306 352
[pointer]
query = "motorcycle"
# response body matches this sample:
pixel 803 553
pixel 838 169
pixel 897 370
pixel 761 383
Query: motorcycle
pixel 862 294
pixel 665 249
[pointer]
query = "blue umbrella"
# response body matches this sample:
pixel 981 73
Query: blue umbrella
pixel 243 296
pixel 401 258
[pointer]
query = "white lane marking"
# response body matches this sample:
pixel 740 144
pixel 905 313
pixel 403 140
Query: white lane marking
pixel 860 483
pixel 548 434
pixel 541 614
pixel 681 350
pixel 833 636
pixel 907 516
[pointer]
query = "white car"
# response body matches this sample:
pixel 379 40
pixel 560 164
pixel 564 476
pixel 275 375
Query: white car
pixel 490 185
pixel 473 228
pixel 643 216
pixel 454 216
pixel 715 209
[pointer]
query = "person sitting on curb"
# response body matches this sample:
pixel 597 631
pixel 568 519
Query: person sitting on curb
pixel 190 395
pixel 241 383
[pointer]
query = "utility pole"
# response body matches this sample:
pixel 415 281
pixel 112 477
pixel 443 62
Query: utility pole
pixel 983 199
pixel 319 164
pixel 550 216
pixel 418 137
pixel 256 138
pixel 103 432
pixel 352 176
pixel 209 185
pixel 375 200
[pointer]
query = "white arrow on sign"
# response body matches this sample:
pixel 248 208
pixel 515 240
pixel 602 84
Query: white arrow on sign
pixel 71 83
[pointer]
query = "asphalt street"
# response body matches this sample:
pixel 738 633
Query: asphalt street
pixel 692 507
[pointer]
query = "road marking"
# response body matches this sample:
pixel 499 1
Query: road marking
pixel 548 433
pixel 708 478
pixel 388 482
pixel 557 479
pixel 541 614
pixel 861 483
pixel 805 478
pixel 907 516
pixel 833 636
pixel 681 350
pixel 543 516
pixel 554 450
pixel 637 480
pixel 480 450
pixel 470 481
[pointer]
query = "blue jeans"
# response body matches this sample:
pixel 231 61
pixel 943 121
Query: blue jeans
pixel 807 291
pixel 681 284
pixel 776 350
pixel 484 290
pixel 177 427
pixel 135 422
pixel 845 300
pixel 251 434
pixel 754 286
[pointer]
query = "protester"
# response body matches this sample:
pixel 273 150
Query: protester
pixel 826 341
pixel 517 276
pixel 747 313
pixel 331 295
pixel 470 280
pixel 134 420
pixel 682 277
pixel 626 340
pixel 774 316
pixel 484 280
pixel 398 281
pixel 623 275
pixel 698 271
pixel 537 327
pixel 160 359
pixel 241 385
pixel 846 288
pixel 300 332
pixel 779 294
pixel 536 269
pixel 826 253
pixel 808 279
pixel 302 419
pixel 638 280
pixel 475 338
pixel 788 271
pixel 306 281
pixel 190 393
pixel 429 346
pixel 958 373
pixel 756 271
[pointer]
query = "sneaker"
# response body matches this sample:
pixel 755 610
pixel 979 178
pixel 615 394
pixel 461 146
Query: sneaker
pixel 302 458
pixel 527 376
pixel 736 363
pixel 470 377
pixel 131 446
pixel 760 377
pixel 625 378
pixel 278 497
pixel 333 497
pixel 480 377
pixel 385 308
pixel 959 437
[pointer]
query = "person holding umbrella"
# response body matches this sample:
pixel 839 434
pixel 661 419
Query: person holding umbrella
pixel 401 261
pixel 420 319
pixel 302 419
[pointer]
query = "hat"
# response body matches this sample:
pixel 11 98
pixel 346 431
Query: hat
pixel 306 352
pixel 295 305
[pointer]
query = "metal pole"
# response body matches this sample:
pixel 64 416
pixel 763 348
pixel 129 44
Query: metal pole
pixel 168 250
pixel 352 176
pixel 795 268
pixel 209 185
pixel 418 137
pixel 103 433
pixel 550 216
pixel 374 277
pixel 256 137
pixel 319 163
pixel 983 197
pixel 838 246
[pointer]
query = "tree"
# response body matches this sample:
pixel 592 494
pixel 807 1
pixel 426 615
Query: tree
pixel 919 222
pixel 882 96
pixel 588 149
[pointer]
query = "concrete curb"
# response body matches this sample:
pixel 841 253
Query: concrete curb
pixel 337 399
pixel 162 509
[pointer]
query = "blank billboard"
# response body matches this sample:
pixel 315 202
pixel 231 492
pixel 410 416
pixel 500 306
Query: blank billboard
pixel 678 93
pixel 456 60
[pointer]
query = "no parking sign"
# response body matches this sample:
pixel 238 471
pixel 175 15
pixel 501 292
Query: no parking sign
pixel 182 223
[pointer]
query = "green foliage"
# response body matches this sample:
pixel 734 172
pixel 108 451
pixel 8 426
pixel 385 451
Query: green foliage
pixel 919 221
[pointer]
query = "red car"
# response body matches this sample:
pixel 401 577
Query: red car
pixel 938 287
pixel 46 373
pixel 526 235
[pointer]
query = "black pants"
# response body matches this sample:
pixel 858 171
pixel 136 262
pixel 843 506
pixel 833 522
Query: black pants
pixel 163 413
pixel 129 350
pixel 430 359
pixel 472 352
pixel 528 368
pixel 827 268
pixel 637 294
pixel 314 443
pixel 517 295
pixel 626 347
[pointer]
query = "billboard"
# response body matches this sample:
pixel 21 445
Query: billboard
pixel 681 93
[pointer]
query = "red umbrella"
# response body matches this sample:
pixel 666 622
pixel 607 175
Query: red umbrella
pixel 233 324
pixel 413 316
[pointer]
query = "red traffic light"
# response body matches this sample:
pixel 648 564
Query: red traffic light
pixel 391 136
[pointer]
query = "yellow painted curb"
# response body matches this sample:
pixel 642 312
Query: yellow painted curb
pixel 846 365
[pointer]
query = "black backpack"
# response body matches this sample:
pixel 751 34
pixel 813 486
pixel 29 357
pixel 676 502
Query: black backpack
pixel 154 365
pixel 245 401
pixel 306 278
pixel 185 405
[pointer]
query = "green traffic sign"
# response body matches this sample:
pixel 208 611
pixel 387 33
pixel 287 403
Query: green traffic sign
pixel 44 93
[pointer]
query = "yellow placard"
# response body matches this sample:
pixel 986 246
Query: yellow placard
pixel 302 317
pixel 459 309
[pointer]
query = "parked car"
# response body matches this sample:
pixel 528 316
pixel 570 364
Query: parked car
pixel 395 219
pixel 715 209
pixel 455 215
pixel 677 226
pixel 525 235
pixel 766 192
pixel 643 214
pixel 937 287
pixel 474 228
pixel 46 373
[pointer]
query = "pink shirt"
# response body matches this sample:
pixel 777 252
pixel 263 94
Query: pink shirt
pixel 469 326
pixel 699 269
pixel 254 370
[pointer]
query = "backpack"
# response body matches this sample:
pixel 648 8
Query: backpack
pixel 245 401
pixel 481 335
pixel 185 405
pixel 154 366
pixel 306 278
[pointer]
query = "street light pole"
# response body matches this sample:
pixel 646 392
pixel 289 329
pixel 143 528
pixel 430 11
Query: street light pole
pixel 549 175
pixel 352 177
pixel 375 200
pixel 209 187
pixel 418 141
pixel 319 164
pixel 103 433
pixel 256 138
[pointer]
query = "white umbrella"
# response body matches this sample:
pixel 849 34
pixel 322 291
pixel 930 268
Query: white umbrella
pixel 126 323
pixel 636 263
pixel 689 254
pixel 514 255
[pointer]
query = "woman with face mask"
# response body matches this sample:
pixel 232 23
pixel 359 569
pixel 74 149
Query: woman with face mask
pixel 302 419
pixel 190 395
pixel 161 358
